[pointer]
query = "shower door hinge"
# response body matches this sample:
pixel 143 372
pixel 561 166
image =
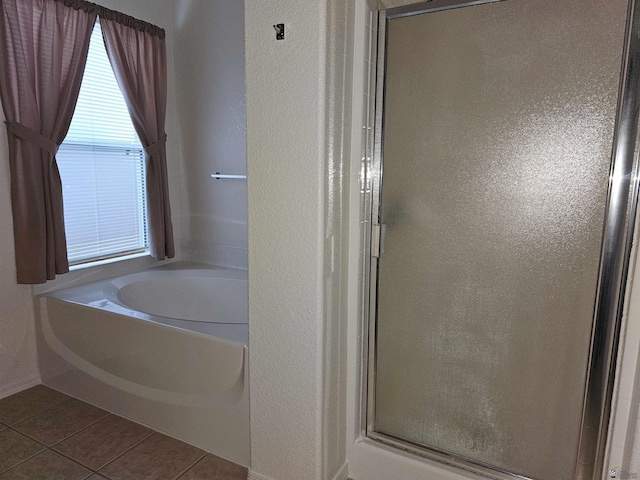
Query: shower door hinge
pixel 378 232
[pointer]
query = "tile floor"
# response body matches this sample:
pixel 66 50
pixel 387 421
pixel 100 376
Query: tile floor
pixel 46 435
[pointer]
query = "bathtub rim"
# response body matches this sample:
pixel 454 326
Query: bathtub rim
pixel 113 286
pixel 91 295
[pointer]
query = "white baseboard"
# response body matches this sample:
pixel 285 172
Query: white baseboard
pixel 341 475
pixel 16 387
pixel 256 476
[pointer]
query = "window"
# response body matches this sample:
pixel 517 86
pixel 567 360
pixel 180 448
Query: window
pixel 101 163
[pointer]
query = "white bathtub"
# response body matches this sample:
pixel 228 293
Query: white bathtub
pixel 164 347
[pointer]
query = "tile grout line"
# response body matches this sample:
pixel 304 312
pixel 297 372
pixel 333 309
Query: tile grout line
pixel 38 413
pixel 50 447
pixel 96 470
pixel 44 449
pixel 190 466
pixel 91 470
pixel 22 461
pixel 153 432
pixel 72 460
pixel 84 428
pixel 28 437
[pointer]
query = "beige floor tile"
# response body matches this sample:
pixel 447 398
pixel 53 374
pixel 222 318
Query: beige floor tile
pixel 157 458
pixel 215 468
pixel 47 466
pixel 16 448
pixel 28 403
pixel 103 441
pixel 61 421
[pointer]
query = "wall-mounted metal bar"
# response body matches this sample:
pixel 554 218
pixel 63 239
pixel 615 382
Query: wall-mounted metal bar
pixel 219 175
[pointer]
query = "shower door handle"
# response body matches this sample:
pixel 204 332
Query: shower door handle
pixel 378 236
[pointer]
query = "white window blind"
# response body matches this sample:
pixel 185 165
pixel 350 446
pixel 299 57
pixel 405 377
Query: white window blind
pixel 101 163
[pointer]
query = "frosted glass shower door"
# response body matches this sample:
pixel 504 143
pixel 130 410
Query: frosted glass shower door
pixel 498 127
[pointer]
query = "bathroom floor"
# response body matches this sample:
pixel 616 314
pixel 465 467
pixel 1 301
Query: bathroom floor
pixel 47 435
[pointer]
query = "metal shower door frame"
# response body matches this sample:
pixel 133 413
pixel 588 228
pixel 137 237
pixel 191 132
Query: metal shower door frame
pixel 620 214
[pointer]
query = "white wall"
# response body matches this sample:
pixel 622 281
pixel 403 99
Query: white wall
pixel 18 367
pixel 285 135
pixel 295 102
pixel 211 107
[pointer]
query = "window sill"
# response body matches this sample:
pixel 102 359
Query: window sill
pixel 107 261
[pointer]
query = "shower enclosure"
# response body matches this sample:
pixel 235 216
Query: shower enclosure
pixel 505 193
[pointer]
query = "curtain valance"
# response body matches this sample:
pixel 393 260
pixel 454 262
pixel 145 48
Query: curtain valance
pixel 114 16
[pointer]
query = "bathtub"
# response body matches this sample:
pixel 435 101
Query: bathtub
pixel 165 347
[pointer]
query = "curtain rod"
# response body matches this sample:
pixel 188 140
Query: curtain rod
pixel 113 15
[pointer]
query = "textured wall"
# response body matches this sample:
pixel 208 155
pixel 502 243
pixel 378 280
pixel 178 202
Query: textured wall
pixel 17 341
pixel 295 123
pixel 211 107
pixel 285 160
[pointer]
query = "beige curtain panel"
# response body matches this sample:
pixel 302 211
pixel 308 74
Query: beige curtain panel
pixel 139 61
pixel 43 52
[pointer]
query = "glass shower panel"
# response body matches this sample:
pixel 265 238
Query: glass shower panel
pixel 498 132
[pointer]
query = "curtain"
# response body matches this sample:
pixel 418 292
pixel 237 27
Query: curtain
pixel 43 52
pixel 139 61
